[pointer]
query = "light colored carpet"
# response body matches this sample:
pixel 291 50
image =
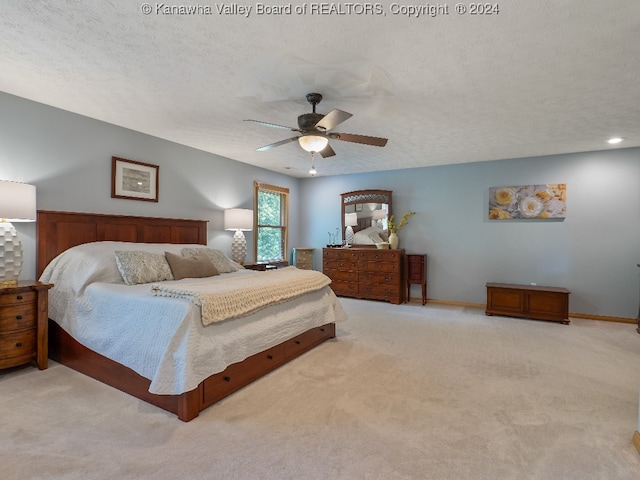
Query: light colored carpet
pixel 405 392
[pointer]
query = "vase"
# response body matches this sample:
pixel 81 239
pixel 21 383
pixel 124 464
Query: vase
pixel 393 240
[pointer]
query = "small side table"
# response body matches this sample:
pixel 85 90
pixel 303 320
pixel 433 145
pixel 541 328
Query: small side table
pixel 416 273
pixel 303 257
pixel 24 327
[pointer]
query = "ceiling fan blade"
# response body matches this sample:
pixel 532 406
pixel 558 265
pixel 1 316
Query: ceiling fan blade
pixel 277 144
pixel 332 119
pixel 274 125
pixel 364 139
pixel 327 151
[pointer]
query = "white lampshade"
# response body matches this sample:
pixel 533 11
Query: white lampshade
pixel 17 201
pixel 379 214
pixel 238 219
pixel 17 204
pixel 313 143
pixel 351 219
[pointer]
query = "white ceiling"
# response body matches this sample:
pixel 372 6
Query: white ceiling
pixel 540 77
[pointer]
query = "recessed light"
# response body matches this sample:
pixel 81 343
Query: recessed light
pixel 615 140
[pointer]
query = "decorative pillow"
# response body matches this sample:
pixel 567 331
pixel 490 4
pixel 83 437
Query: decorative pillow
pixel 219 259
pixel 138 266
pixel 197 266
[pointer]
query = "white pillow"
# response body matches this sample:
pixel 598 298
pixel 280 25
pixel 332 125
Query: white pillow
pixel 137 266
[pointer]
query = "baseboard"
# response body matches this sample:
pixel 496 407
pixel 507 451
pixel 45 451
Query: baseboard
pixel 482 306
pixel 603 318
pixel 636 440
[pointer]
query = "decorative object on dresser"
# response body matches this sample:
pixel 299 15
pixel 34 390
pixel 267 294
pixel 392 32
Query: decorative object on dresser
pixel 134 180
pixel 23 324
pixel 350 220
pixel 416 274
pixel 303 257
pixel 239 220
pixel 528 301
pixel 17 204
pixel 394 229
pixel 365 273
pixel 372 208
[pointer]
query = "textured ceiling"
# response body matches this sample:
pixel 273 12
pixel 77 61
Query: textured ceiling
pixel 540 77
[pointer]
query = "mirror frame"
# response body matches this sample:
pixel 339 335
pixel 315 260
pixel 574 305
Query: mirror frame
pixel 364 196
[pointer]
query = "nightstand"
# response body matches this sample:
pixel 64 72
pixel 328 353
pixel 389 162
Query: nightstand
pixel 416 273
pixel 303 258
pixel 262 266
pixel 24 324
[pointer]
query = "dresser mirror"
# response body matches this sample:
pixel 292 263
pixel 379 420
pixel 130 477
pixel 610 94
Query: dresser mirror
pixel 364 217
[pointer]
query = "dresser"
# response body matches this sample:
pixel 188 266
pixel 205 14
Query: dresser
pixel 365 273
pixel 303 257
pixel 24 324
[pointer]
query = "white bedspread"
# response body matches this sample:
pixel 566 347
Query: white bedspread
pixel 163 339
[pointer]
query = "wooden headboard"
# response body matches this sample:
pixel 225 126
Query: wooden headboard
pixel 59 231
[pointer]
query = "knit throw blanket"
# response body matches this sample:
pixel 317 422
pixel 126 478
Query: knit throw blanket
pixel 223 298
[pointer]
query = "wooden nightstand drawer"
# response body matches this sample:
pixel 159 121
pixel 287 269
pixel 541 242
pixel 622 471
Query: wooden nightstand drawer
pixel 17 317
pixel 18 298
pixel 17 348
pixel 23 324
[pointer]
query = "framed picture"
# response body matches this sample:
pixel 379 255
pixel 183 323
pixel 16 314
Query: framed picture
pixel 359 207
pixel 134 180
pixel 544 202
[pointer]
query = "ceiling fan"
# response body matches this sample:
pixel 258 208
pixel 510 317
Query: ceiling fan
pixel 315 129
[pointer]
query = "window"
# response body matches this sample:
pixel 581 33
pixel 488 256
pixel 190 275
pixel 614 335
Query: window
pixel 271 215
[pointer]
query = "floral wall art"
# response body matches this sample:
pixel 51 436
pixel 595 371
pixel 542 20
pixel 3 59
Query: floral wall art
pixel 528 201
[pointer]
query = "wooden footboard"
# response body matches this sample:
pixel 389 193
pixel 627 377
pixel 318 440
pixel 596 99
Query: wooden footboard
pixel 66 350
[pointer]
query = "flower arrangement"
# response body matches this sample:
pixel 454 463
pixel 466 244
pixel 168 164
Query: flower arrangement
pixel 393 228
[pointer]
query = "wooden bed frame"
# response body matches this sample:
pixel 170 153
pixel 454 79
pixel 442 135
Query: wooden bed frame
pixel 59 231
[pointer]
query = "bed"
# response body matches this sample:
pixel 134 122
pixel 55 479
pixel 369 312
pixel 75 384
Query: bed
pixel 180 364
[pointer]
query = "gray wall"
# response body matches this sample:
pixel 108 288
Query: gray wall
pixel 68 158
pixel 593 251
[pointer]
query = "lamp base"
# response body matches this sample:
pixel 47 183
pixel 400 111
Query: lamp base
pixel 239 247
pixel 10 255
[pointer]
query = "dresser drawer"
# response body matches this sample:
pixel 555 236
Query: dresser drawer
pixel 380 267
pixel 17 298
pixel 339 264
pixel 18 344
pixel 17 317
pixel 382 278
pixel 381 292
pixel 344 288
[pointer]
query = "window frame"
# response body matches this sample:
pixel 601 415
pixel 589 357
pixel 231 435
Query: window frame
pixel 284 192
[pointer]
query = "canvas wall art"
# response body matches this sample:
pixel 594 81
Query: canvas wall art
pixel 545 201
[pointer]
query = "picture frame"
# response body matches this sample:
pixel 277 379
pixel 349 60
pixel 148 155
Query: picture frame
pixel 134 180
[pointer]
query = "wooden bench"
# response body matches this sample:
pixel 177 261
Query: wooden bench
pixel 528 301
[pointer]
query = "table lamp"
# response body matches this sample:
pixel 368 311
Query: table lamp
pixel 350 220
pixel 240 220
pixel 17 204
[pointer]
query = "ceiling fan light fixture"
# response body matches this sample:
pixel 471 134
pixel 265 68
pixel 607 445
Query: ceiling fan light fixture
pixel 312 142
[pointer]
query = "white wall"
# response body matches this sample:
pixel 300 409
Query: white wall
pixel 68 158
pixel 593 252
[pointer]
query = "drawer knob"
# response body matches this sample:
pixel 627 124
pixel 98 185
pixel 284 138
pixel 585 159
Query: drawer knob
pixel 19 297
pixel 227 379
pixel 297 342
pixel 18 317
pixel 270 357
pixel 18 344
